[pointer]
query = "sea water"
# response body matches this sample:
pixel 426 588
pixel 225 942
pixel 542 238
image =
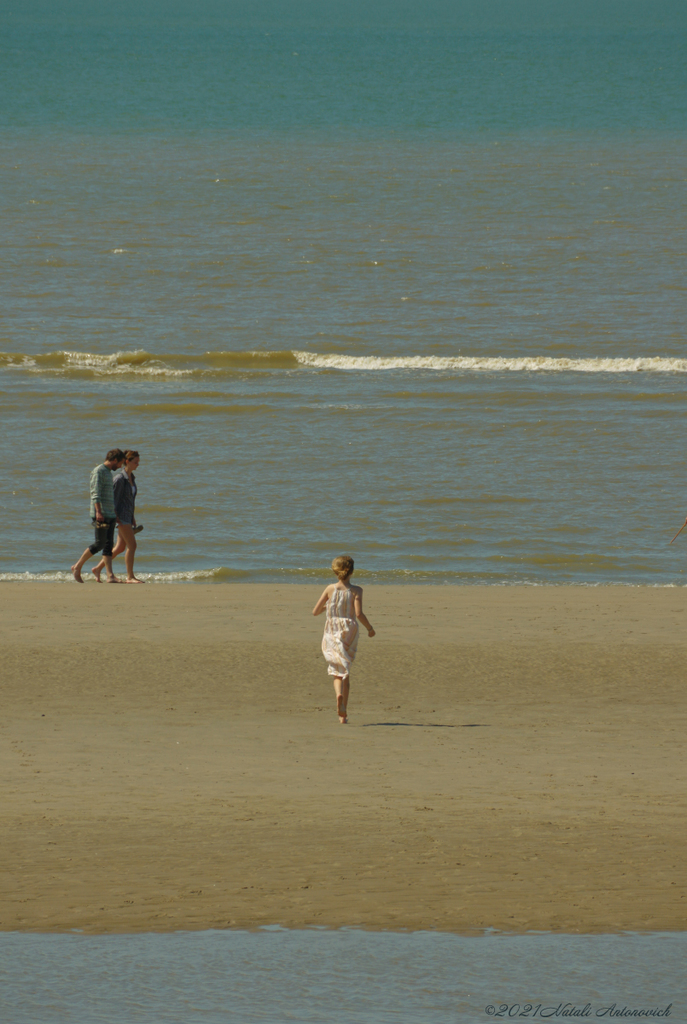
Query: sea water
pixel 406 281
pixel 342 977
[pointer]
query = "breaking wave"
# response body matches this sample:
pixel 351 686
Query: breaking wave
pixel 142 363
pixel 179 364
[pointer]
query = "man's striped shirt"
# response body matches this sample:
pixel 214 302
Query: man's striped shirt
pixel 102 491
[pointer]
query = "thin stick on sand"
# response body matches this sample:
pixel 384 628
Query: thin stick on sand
pixel 679 531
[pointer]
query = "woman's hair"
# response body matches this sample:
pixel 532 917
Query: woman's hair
pixel 343 566
pixel 129 454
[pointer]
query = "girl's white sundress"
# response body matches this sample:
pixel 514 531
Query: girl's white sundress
pixel 340 640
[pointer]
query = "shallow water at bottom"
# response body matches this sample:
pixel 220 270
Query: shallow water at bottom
pixel 339 977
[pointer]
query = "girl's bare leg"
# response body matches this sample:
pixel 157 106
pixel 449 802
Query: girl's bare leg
pixel 342 688
pixel 116 550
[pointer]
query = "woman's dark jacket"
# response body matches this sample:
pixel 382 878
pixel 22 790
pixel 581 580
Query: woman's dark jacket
pixel 124 497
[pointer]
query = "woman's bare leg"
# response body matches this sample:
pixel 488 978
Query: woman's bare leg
pixel 127 535
pixel 116 550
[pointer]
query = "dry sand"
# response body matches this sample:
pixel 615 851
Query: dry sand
pixel 172 760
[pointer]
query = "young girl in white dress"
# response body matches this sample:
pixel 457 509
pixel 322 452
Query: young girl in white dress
pixel 344 605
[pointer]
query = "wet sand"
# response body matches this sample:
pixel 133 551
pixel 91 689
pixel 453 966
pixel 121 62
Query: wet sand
pixel 172 760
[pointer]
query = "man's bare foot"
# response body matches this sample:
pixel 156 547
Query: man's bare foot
pixel 112 579
pixel 96 572
pixel 76 573
pixel 134 579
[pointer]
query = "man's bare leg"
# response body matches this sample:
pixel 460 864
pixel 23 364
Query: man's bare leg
pixel 76 569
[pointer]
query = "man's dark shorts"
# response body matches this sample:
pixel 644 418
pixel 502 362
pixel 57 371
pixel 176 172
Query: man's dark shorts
pixel 104 537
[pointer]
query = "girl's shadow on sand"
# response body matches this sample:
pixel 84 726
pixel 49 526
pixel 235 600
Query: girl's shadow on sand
pixel 427 725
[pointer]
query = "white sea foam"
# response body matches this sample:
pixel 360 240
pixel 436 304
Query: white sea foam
pixel 492 364
pixel 36 577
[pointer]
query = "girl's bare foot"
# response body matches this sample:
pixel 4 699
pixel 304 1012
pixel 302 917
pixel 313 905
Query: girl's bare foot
pixel 341 710
pixel 96 572
pixel 134 579
pixel 76 573
pixel 112 579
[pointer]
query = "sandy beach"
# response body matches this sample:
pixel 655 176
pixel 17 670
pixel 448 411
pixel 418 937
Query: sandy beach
pixel 172 760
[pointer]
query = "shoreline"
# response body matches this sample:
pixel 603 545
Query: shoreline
pixel 510 763
pixel 311 577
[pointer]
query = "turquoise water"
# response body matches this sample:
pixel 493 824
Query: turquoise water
pixel 464 68
pixel 343 977
pixel 406 282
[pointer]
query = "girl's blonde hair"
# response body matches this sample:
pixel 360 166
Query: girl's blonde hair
pixel 343 566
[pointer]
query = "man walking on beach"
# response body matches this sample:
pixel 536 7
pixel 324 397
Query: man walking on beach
pixel 102 514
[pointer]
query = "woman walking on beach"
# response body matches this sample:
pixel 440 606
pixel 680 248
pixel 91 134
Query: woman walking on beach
pixel 125 504
pixel 344 605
